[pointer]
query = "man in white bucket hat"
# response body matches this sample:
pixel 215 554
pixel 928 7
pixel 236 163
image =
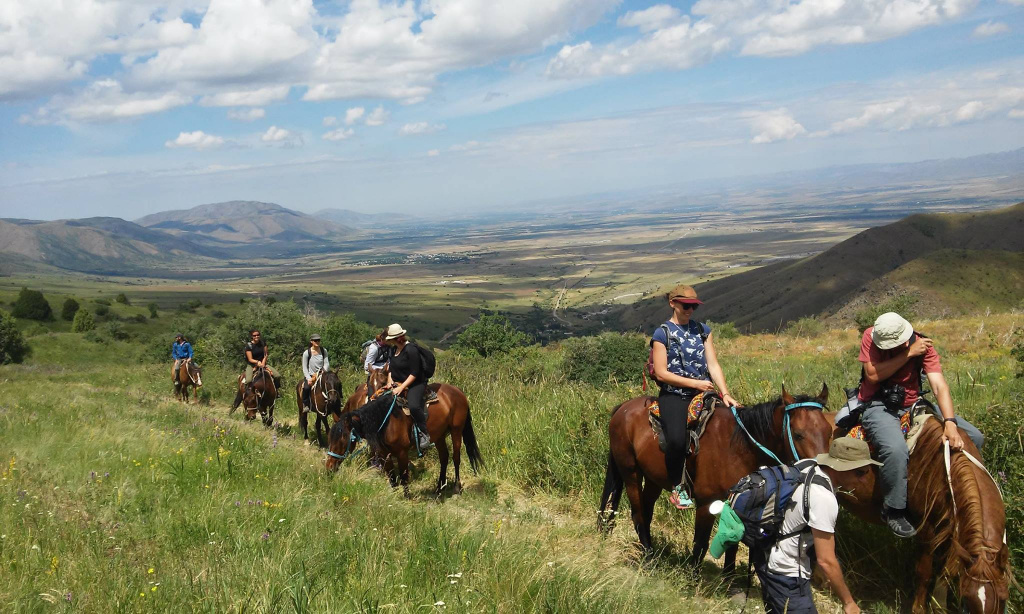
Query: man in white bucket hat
pixel 893 357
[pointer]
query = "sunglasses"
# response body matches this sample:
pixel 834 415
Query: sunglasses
pixel 688 305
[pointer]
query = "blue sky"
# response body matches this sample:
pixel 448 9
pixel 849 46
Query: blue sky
pixel 126 107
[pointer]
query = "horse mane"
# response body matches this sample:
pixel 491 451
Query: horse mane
pixel 371 418
pixel 969 556
pixel 760 419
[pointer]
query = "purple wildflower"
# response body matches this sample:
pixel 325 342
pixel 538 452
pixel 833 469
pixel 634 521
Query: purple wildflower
pixel 238 503
pixel 107 474
pixel 265 536
pixel 67 596
pixel 21 494
pixel 92 475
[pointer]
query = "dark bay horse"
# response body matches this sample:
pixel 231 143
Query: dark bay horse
pixel 324 398
pixel 377 379
pixel 726 454
pixel 960 517
pixel 386 429
pixel 260 396
pixel 189 376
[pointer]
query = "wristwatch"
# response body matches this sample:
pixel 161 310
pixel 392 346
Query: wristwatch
pixel 949 419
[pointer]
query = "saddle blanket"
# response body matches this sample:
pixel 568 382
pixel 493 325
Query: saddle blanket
pixel 696 419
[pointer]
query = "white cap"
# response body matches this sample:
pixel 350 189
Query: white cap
pixel 891 330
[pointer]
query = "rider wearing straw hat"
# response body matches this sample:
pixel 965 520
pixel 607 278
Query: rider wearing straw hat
pixel 408 378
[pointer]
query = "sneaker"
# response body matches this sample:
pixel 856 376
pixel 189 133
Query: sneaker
pixel 424 439
pixel 680 498
pixel 898 523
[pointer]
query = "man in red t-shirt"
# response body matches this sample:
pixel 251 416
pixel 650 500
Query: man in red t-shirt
pixel 892 354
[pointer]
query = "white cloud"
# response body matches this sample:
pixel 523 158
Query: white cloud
pixel 329 121
pixel 338 135
pixel 1016 114
pixel 377 117
pixel 275 135
pixel 991 28
pixel 776 28
pixel 353 115
pixel 104 100
pixel 777 125
pixel 434 153
pixel 417 128
pixel 198 140
pixel 246 98
pixel 247 115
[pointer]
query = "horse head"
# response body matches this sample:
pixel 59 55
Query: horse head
pixel 199 374
pixel 984 585
pixel 378 379
pixel 808 431
pixel 339 438
pixel 332 388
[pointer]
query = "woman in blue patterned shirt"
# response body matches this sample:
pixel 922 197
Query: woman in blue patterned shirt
pixel 685 365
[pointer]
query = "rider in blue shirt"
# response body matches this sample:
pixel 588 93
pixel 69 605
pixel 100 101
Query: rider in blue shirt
pixel 181 350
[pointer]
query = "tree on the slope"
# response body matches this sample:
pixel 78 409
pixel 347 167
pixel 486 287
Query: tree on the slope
pixel 13 347
pixel 32 305
pixel 490 334
pixel 69 309
pixel 83 322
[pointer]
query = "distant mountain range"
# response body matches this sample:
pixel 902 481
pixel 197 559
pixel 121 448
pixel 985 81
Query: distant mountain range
pixel 199 237
pixel 960 259
pixel 368 221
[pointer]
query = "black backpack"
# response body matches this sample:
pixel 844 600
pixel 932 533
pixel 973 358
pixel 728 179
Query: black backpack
pixel 761 499
pixel 428 362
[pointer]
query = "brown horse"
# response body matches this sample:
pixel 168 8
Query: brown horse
pixel 377 379
pixel 726 454
pixel 324 398
pixel 189 376
pixel 962 522
pixel 387 431
pixel 259 396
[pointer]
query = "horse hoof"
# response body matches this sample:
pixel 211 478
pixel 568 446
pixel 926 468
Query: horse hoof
pixel 306 442
pixel 458 488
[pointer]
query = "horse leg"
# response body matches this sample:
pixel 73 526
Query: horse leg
pixel 403 472
pixel 442 456
pixel 304 425
pixel 925 581
pixel 632 481
pixel 457 457
pixel 651 493
pixel 702 525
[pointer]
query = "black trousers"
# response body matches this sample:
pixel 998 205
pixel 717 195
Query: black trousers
pixel 415 395
pixel 673 422
pixel 305 391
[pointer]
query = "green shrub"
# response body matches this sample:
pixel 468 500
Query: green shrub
pixel 13 347
pixel 490 334
pixel 152 310
pixel 83 322
pixel 805 327
pixel 725 330
pixel 102 301
pixel 343 337
pixel 609 356
pixel 116 331
pixel 902 304
pixel 69 309
pixel 122 298
pixel 137 318
pixel 283 326
pixel 32 305
pixel 220 315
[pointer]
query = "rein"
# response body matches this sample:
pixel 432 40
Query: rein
pixel 353 439
pixel 787 428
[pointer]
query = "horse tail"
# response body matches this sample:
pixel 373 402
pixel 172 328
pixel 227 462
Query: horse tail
pixel 469 438
pixel 610 495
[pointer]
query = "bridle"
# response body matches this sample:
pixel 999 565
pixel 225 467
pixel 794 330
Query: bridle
pixel 787 428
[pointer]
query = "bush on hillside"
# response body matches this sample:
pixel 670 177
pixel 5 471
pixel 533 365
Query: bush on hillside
pixel 122 298
pixel 902 304
pixel 805 327
pixel 13 347
pixel 343 337
pixel 490 334
pixel 137 318
pixel 32 305
pixel 153 307
pixel 725 330
pixel 102 310
pixel 283 326
pixel 609 356
pixel 83 322
pixel 69 309
pixel 102 301
pixel 116 331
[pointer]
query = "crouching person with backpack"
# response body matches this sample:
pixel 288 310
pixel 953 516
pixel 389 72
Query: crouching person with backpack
pixel 789 517
pixel 409 375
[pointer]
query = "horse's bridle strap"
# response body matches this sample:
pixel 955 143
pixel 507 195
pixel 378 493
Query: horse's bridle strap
pixel 813 404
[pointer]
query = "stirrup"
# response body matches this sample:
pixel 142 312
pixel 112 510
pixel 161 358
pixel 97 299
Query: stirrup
pixel 680 499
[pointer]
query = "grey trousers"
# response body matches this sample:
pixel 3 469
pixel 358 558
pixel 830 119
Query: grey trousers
pixel 883 430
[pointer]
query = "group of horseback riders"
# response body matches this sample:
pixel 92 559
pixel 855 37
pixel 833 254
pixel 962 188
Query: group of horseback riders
pixel 893 357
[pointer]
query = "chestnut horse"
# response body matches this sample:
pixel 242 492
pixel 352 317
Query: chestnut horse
pixel 189 375
pixel 260 396
pixel 726 454
pixel 324 398
pixel 377 379
pixel 387 431
pixel 961 522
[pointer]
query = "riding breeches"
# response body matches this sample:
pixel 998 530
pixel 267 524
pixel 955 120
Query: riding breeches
pixel 176 369
pixel 415 395
pixel 882 428
pixel 673 423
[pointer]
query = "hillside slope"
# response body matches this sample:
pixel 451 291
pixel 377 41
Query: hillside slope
pixel 768 297
pixel 245 222
pixel 96 245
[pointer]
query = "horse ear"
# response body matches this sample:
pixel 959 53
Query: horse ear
pixel 786 397
pixel 823 395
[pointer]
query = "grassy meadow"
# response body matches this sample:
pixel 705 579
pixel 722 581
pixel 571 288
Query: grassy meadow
pixel 116 498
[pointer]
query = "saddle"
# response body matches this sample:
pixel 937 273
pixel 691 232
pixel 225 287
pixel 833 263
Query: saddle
pixel 911 423
pixel 700 410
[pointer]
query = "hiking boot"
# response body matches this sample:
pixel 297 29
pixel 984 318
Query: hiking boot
pixel 898 523
pixel 423 441
pixel 680 498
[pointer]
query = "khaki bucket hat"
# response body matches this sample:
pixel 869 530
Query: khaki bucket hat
pixel 891 330
pixel 685 294
pixel 846 453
